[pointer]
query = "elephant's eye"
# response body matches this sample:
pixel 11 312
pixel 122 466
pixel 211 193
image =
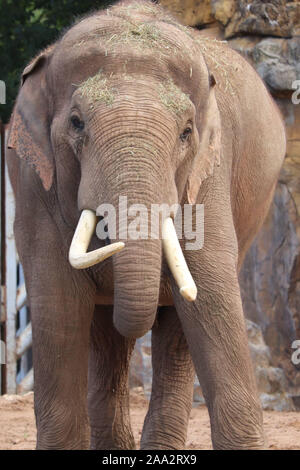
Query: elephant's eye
pixel 77 123
pixel 186 133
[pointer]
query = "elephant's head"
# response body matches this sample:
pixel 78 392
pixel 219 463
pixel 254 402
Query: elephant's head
pixel 122 105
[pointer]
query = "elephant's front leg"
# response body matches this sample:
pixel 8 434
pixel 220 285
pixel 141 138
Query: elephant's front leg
pixel 214 327
pixel 108 396
pixel 61 312
pixel 166 422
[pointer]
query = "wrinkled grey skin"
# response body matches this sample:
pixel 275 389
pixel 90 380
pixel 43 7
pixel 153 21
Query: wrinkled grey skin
pixel 132 144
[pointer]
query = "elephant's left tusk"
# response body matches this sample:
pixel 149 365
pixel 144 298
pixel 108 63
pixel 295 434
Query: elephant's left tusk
pixel 176 261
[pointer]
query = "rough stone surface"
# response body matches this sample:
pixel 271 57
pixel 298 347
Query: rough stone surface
pixel 140 365
pixel 223 10
pixel 271 381
pixel 276 60
pixel 261 17
pixel 190 12
pixel 293 10
pixel 266 18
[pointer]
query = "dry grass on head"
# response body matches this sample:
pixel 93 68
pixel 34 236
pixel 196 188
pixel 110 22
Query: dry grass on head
pixel 97 88
pixel 173 98
pixel 138 7
pixel 140 36
pixel 138 30
pixel 216 60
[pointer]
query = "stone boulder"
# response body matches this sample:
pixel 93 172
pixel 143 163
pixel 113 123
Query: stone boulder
pixel 190 12
pixel 140 365
pixel 276 60
pixel 223 10
pixel 271 381
pixel 267 18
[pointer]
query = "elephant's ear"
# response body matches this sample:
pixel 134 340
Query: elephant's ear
pixel 209 150
pixel 29 132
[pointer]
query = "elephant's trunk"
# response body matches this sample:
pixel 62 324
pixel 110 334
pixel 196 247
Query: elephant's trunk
pixel 137 271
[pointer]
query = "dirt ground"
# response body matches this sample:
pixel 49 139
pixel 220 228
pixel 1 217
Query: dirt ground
pixel 17 430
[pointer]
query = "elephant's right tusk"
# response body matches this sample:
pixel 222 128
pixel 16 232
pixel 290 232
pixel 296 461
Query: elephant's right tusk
pixel 176 261
pixel 78 256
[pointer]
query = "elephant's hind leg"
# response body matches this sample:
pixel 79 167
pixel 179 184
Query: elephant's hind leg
pixel 166 422
pixel 108 396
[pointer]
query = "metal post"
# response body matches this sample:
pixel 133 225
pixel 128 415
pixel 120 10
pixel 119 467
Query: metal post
pixel 11 288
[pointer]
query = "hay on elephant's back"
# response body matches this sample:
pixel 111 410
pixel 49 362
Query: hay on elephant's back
pixel 217 61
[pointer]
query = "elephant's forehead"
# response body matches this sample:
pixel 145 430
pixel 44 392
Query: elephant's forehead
pixel 157 49
pixel 110 30
pixel 120 87
pixel 110 36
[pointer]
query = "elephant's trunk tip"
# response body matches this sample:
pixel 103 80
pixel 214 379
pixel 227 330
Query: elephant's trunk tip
pixel 131 331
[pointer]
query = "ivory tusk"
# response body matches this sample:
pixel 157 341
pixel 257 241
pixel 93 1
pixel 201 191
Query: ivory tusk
pixel 176 261
pixel 78 256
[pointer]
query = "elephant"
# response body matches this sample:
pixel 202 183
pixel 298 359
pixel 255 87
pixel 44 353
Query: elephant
pixel 130 103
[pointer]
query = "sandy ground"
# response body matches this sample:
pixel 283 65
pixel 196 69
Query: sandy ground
pixel 17 430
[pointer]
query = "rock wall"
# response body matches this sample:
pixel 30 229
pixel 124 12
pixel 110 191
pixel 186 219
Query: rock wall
pixel 266 18
pixel 267 34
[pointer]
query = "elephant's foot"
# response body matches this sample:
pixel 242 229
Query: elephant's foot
pixel 105 438
pixel 59 432
pixel 236 422
pixel 163 430
pixel 110 422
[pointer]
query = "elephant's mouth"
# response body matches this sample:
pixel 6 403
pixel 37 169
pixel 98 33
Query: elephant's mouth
pixel 79 258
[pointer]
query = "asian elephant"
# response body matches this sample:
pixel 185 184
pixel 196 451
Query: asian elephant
pixel 128 102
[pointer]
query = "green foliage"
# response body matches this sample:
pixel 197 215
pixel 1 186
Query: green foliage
pixel 26 27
